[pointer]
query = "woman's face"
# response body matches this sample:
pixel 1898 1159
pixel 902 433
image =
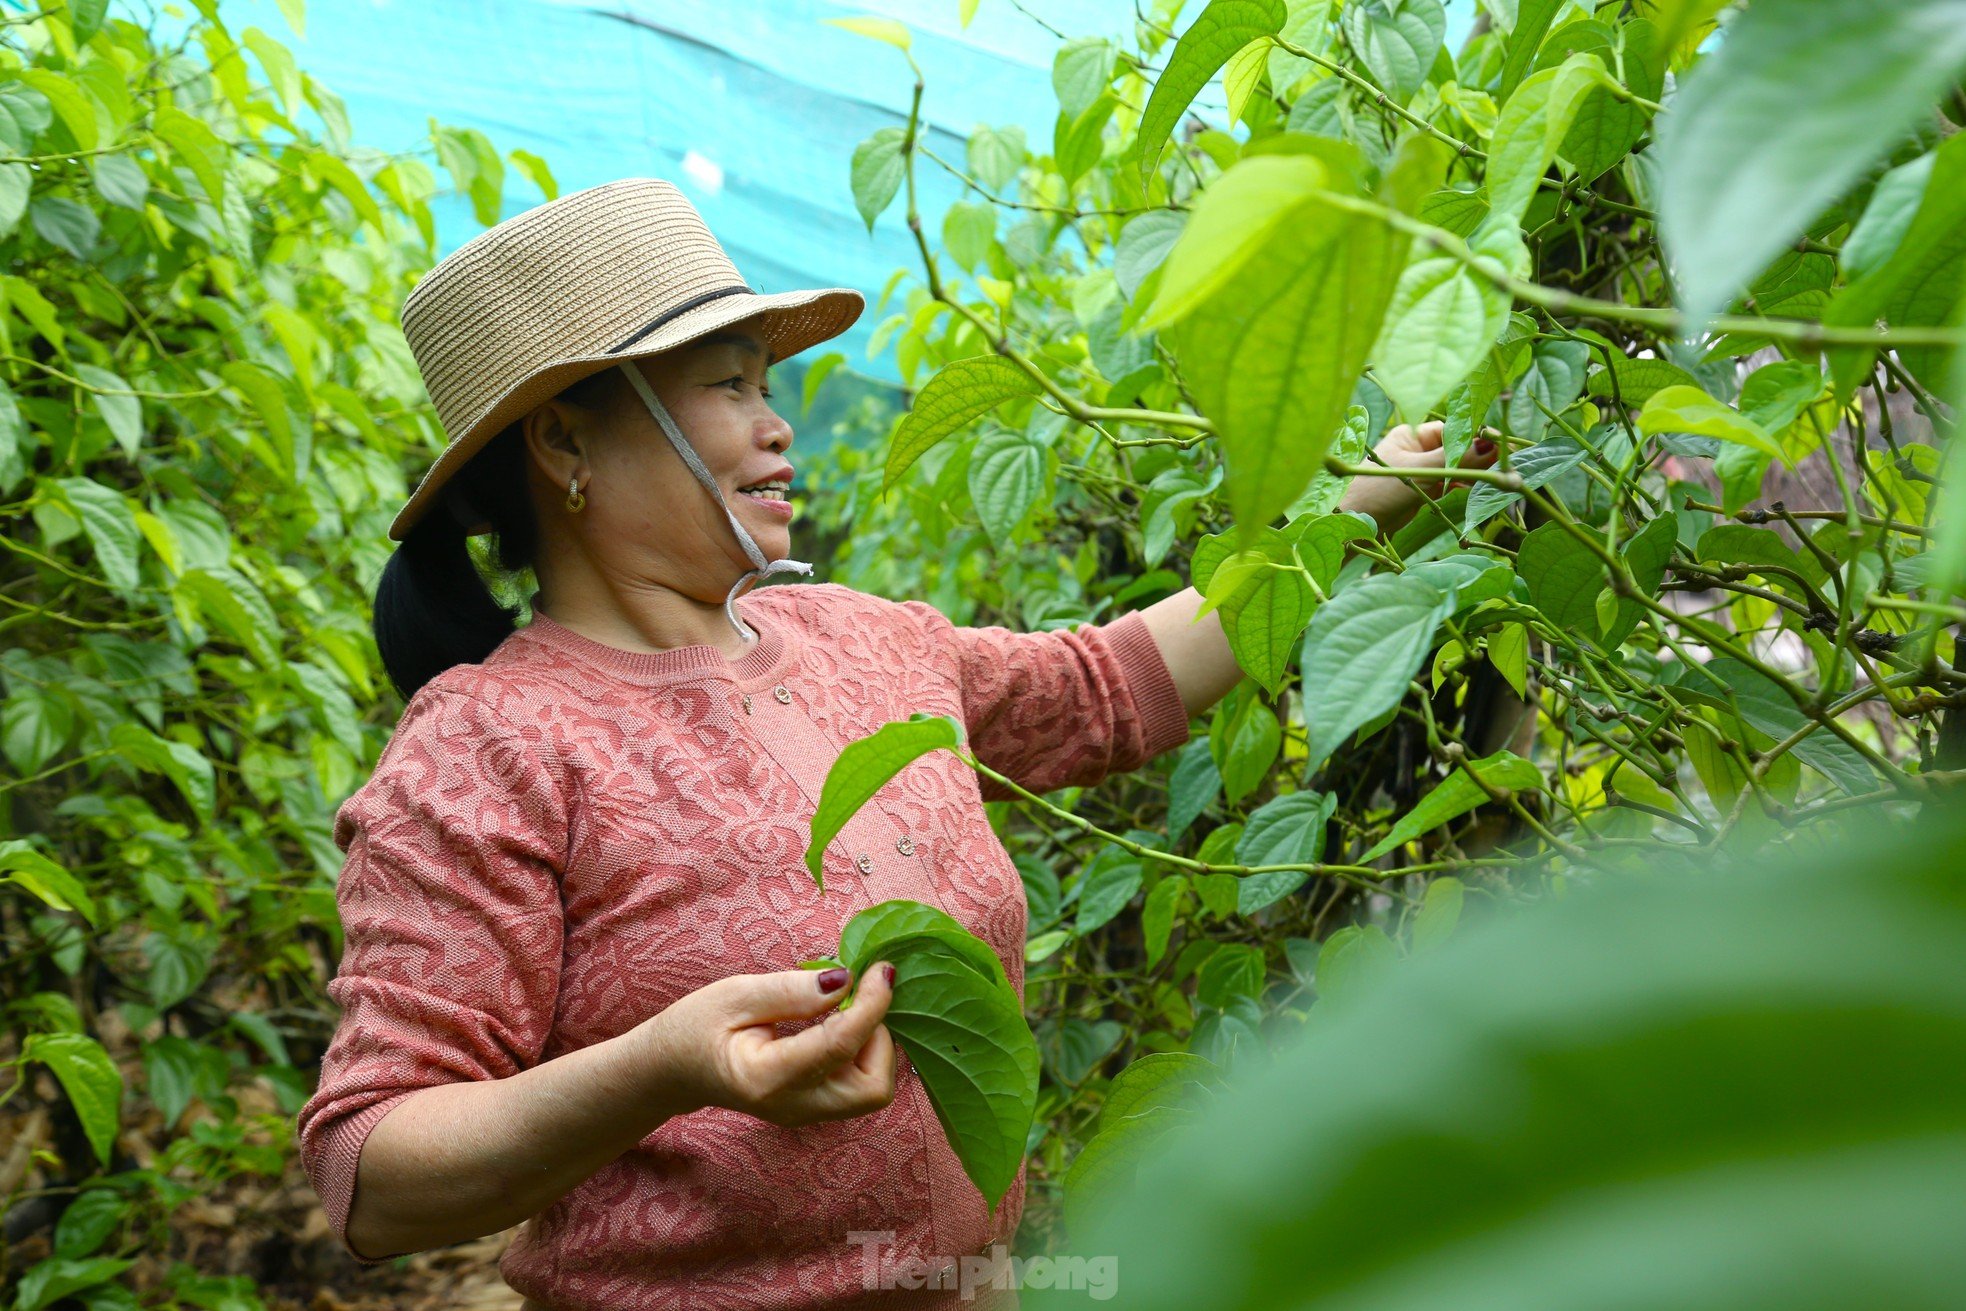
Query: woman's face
pixel 647 517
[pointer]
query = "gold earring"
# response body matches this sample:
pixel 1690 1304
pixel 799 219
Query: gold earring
pixel 575 501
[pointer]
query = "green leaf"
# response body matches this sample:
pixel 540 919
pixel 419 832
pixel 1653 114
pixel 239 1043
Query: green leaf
pixel 1398 40
pixel 877 171
pixel 16 185
pixel 1235 969
pixel 1638 381
pixel 89 1220
pixel 1440 911
pixel 24 115
pixel 1245 744
pixel 965 390
pixel 22 865
pixel 48 1282
pixel 1532 126
pixel 1272 357
pixel 1442 319
pixel 1007 476
pixel 1536 466
pixel 1555 378
pixel 228 599
pixel 1532 21
pixel 71 104
pixel 110 521
pixel 1690 410
pixel 1607 126
pixel 66 223
pixel 182 763
pixel 861 770
pixel 877 29
pixel 1920 283
pixel 282 73
pixel 1456 795
pixel 1073 1048
pixel 995 155
pixel 1264 599
pixel 1785 1102
pixel 1802 81
pixel 1234 220
pixel 119 180
pixel 1362 650
pixel 1762 703
pixel 978 1061
pixel 1565 578
pixel 1157 916
pixel 1106 887
pixel 968 228
pixel 1081 70
pixel 1286 830
pixel 195 146
pixel 90 1079
pixel 1223 28
pixel 1193 786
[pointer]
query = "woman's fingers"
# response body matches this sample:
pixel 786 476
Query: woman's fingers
pixel 808 1056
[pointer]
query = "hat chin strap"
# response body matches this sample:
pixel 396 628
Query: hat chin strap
pixel 695 463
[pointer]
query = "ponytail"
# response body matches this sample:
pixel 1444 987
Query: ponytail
pixel 433 607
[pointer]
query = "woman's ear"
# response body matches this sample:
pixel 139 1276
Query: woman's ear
pixel 557 439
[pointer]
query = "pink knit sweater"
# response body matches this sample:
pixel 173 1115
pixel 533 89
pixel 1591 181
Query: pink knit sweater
pixel 559 842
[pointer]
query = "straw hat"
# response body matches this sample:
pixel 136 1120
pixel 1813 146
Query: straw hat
pixel 531 306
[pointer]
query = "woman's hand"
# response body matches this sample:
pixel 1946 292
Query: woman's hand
pixel 1391 502
pixel 719 1047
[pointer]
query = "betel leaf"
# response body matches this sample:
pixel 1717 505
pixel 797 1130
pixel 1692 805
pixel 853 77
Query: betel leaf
pixel 110 521
pixel 1232 221
pixel 1538 1071
pixel 1273 355
pixel 1920 282
pixel 1223 28
pixel 1363 647
pixel 181 762
pixel 876 172
pixel 1531 128
pixel 1690 410
pixel 1286 830
pixel 1007 475
pixel 863 767
pixel 1606 126
pixel 1193 786
pixel 1565 578
pixel 1264 600
pixel 965 1035
pixel 25 867
pixel 1440 911
pixel 1536 465
pixel 958 1019
pixel 1782 118
pixel 1532 21
pixel 1398 40
pixel 1458 793
pixel 1442 318
pixel 89 1077
pixel 963 391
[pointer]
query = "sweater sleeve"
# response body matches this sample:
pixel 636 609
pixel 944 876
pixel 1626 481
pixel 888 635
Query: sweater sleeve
pixel 450 907
pixel 1061 708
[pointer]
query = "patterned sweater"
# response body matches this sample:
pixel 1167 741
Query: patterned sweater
pixel 559 842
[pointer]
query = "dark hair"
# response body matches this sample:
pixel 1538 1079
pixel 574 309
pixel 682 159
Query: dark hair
pixel 433 607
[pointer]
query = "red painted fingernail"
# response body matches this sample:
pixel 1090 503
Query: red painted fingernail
pixel 1483 446
pixel 833 980
pixel 890 974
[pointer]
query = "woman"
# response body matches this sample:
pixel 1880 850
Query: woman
pixel 575 894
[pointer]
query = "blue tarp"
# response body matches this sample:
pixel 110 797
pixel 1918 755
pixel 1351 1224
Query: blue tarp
pixel 753 107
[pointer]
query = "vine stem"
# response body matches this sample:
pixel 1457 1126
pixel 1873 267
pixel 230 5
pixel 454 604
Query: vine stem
pixel 1363 876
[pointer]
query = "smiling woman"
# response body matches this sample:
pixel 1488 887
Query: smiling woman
pixel 576 895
